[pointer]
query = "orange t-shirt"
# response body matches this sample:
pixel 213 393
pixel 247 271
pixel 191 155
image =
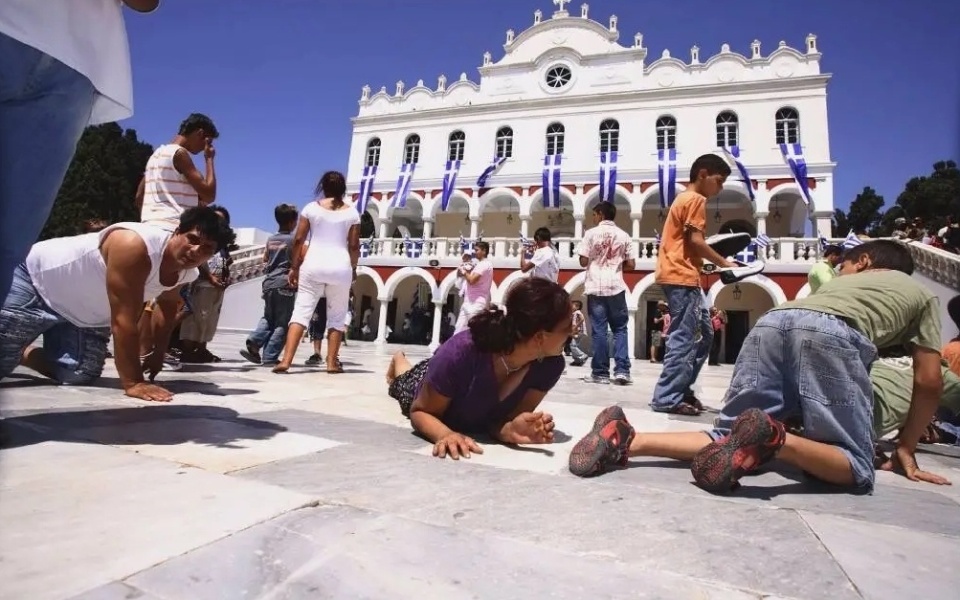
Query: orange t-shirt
pixel 677 264
pixel 951 354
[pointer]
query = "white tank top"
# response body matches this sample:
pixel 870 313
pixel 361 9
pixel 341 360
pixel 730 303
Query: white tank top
pixel 70 274
pixel 166 193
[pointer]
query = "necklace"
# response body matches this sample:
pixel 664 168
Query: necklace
pixel 503 361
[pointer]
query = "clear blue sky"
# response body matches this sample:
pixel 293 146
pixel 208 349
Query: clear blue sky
pixel 281 78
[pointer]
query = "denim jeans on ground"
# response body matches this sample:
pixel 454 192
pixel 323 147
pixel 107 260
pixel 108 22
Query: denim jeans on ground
pixel 802 362
pixel 74 355
pixel 687 345
pixel 44 107
pixel 612 311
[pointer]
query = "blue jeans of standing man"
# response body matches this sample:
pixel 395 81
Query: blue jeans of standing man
pixel 688 346
pixel 271 331
pixel 44 108
pixel 612 311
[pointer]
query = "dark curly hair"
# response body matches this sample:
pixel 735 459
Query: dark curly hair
pixel 532 305
pixel 207 222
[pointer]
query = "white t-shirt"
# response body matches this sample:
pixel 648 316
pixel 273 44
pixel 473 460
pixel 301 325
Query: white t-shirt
pixel 607 246
pixel 88 36
pixel 327 259
pixel 546 263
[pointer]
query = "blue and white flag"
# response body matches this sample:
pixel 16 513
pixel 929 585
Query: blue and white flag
pixel 608 176
pixel 656 237
pixel 824 242
pixel 748 254
pixel 366 247
pixel 449 183
pixel 734 153
pixel 466 246
pixel 366 186
pixel 667 176
pixel 551 181
pixel 412 248
pixel 793 155
pixel 399 199
pixel 851 241
pixel 762 241
pixel 497 162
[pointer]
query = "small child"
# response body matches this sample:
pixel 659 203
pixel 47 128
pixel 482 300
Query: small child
pixel 579 322
pixel 467 263
pixel 809 358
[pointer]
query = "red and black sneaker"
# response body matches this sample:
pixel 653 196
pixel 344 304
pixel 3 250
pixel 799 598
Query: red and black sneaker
pixel 605 446
pixel 754 439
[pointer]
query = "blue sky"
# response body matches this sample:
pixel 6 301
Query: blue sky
pixel 281 78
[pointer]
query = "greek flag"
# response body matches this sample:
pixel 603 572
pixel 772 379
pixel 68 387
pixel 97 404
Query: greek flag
pixel 667 176
pixel 497 162
pixel 851 241
pixel 466 246
pixel 748 254
pixel 793 155
pixel 656 237
pixel 366 247
pixel 399 199
pixel 762 241
pixel 734 153
pixel 608 176
pixel 449 183
pixel 366 186
pixel 413 248
pixel 551 181
pixel 824 242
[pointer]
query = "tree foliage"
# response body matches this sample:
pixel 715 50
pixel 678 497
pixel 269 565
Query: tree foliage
pixel 101 182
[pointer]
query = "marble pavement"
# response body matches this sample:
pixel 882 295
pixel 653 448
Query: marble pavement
pixel 253 485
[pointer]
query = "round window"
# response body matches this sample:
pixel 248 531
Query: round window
pixel 558 76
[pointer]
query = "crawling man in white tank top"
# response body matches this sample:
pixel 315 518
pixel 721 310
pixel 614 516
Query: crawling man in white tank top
pixel 76 291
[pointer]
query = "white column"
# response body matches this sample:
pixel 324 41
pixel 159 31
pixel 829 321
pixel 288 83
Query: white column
pixel 474 227
pixel 635 224
pixel 382 321
pixel 578 227
pixel 384 223
pixel 427 229
pixel 632 331
pixel 437 323
pixel 823 224
pixel 761 223
pixel 525 226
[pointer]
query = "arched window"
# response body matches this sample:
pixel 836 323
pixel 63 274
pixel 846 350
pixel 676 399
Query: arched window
pixel 666 133
pixel 504 142
pixel 373 152
pixel 457 144
pixel 788 126
pixel 609 136
pixel 555 138
pixel 727 129
pixel 411 149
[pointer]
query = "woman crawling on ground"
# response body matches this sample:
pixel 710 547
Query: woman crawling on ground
pixel 490 378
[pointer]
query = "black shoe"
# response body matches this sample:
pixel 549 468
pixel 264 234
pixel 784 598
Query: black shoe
pixel 313 361
pixel 252 353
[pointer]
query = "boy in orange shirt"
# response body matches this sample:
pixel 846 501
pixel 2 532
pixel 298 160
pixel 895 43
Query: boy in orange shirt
pixel 683 248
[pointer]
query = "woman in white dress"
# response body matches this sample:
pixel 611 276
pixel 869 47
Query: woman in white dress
pixel 328 268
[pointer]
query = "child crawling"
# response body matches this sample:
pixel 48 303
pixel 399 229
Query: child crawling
pixel 809 358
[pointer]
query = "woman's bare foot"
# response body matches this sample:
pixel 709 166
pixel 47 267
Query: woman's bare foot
pixel 392 369
pixel 281 368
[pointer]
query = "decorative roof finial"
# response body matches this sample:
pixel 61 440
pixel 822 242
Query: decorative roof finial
pixel 638 40
pixel 755 49
pixel 441 83
pixel 365 93
pixel 695 55
pixel 725 49
pixel 812 44
pixel 560 4
pixel 399 88
pixel 584 11
pixel 613 23
pixel 487 58
pixel 537 16
pixel 510 35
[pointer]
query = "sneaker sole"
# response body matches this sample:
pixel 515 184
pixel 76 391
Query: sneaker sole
pixel 587 454
pixel 720 465
pixel 246 354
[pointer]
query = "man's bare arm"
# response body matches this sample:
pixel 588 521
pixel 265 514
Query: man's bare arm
pixel 164 319
pixel 205 186
pixel 927 393
pixel 143 6
pixel 704 251
pixel 353 245
pixel 128 266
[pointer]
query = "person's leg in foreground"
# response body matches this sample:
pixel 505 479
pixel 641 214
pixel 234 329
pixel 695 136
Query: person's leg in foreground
pixel 338 298
pixel 619 317
pixel 600 363
pixel 678 361
pixel 792 361
pixel 306 302
pixel 44 108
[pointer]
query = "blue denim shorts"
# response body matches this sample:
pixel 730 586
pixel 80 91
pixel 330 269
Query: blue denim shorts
pixel 74 355
pixel 813 365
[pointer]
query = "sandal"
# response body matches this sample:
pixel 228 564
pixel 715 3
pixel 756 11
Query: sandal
pixel 686 410
pixel 337 368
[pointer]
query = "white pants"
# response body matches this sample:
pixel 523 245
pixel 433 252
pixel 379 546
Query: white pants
pixel 309 293
pixel 467 311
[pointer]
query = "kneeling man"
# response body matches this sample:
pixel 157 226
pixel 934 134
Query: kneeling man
pixel 75 291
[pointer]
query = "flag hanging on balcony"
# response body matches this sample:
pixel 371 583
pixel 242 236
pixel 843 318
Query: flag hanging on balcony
pixel 412 248
pixel 551 181
pixel 734 153
pixel 466 246
pixel 399 199
pixel 656 237
pixel 490 170
pixel 851 241
pixel 366 186
pixel 824 242
pixel 608 176
pixel 762 242
pixel 748 254
pixel 449 183
pixel 793 156
pixel 667 176
pixel 366 246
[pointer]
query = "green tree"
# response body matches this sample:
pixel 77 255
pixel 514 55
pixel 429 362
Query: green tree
pixel 931 198
pixel 101 182
pixel 865 211
pixel 840 225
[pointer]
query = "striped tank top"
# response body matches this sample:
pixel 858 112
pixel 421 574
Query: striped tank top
pixel 166 193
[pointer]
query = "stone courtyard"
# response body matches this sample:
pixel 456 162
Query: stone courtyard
pixel 253 485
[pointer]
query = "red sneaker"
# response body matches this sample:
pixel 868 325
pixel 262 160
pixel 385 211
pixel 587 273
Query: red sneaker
pixel 605 446
pixel 754 440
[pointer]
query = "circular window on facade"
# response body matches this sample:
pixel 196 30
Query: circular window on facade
pixel 558 76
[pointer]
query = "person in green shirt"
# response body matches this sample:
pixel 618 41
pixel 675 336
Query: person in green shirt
pixel 809 358
pixel 825 269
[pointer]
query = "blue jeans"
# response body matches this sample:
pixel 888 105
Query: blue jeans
pixel 74 355
pixel 688 346
pixel 44 108
pixel 610 310
pixel 806 363
pixel 271 331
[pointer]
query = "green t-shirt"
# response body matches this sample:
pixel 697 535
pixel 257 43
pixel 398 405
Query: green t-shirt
pixel 821 273
pixel 892 380
pixel 889 307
